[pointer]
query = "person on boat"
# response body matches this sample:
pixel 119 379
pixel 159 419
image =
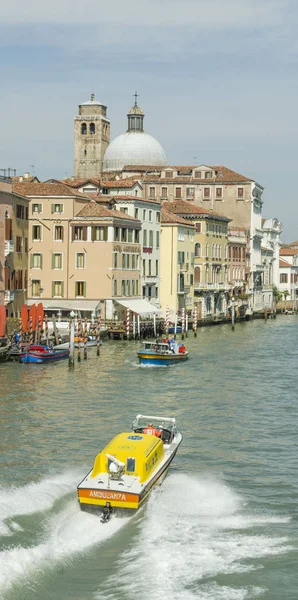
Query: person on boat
pixel 182 349
pixel 151 430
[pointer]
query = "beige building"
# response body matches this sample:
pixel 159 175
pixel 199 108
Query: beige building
pixel 91 138
pixel 82 255
pixel 211 285
pixel 13 248
pixel 176 263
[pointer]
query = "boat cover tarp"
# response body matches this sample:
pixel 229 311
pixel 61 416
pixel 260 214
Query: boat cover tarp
pixel 139 306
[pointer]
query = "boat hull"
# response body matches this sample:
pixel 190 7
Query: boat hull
pixel 36 358
pixel 147 358
pixel 93 500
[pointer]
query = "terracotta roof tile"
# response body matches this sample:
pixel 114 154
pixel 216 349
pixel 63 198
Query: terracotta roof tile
pixel 93 209
pixel 288 251
pixel 168 217
pixel 284 263
pixel 182 207
pixel 223 175
pixel 45 189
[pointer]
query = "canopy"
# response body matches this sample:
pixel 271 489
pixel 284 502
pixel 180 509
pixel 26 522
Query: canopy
pixel 89 305
pixel 139 306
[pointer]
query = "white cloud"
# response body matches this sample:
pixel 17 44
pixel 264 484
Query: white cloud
pixel 221 14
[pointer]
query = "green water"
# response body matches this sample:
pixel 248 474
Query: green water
pixel 224 524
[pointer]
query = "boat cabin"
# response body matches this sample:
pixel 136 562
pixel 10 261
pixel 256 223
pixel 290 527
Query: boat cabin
pixel 159 347
pixel 129 453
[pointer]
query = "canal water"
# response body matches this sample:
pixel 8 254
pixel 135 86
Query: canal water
pixel 223 526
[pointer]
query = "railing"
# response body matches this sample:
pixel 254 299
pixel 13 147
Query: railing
pixel 183 267
pixel 212 286
pixel 8 296
pixel 9 247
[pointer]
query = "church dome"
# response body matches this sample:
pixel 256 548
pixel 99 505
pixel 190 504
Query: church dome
pixel 135 147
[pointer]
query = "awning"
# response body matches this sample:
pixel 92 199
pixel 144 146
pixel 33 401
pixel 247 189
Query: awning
pixel 139 306
pixel 75 305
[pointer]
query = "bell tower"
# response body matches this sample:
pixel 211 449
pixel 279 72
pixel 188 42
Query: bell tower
pixel 91 138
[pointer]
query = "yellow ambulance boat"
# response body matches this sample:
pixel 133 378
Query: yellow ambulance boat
pixel 130 466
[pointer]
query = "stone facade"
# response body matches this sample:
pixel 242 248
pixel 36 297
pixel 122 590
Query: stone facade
pixel 13 248
pixel 91 138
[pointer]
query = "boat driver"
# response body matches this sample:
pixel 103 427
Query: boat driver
pixel 151 430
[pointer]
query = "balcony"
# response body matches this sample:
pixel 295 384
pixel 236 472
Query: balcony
pixel 9 247
pixel 147 249
pixel 184 289
pixel 8 296
pixel 183 267
pixel 216 287
pixel 188 301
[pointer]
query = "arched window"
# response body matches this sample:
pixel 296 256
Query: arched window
pixel 197 274
pixel 198 250
pixel 92 128
pixel 83 129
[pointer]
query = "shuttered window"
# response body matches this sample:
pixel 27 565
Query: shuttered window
pixel 80 289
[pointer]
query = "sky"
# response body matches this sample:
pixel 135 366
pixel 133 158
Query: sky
pixel 217 81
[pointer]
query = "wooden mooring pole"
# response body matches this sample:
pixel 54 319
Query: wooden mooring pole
pixel 79 338
pixel 71 343
pixel 98 336
pixel 85 339
pixel 195 321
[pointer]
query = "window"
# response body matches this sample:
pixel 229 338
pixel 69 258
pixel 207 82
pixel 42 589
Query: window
pixel 156 268
pixel 208 174
pixel 115 287
pixel 157 240
pixel 150 215
pixel 283 278
pixel 128 288
pixel 149 267
pixel 218 194
pixel 128 261
pixel 198 227
pixel 130 465
pixel 133 288
pixel 164 192
pixel 26 245
pixel 98 234
pixel 145 238
pixel 92 128
pixel 20 211
pixel 36 288
pixel 240 193
pixel 36 208
pixel 144 215
pixel 129 235
pixel 133 261
pixel 19 244
pixel 83 129
pixel 80 260
pixel 36 261
pixel 57 289
pixel 180 234
pixel 136 213
pixel 124 235
pixel 178 192
pixel 137 287
pixel 79 233
pixel 144 267
pixel 137 236
pixel 169 174
pixel 198 174
pixel 198 250
pixel 57 260
pixel 123 287
pixel 151 192
pixel 124 209
pixel 80 288
pixel 36 233
pixel 123 261
pixel 181 257
pixel 190 192
pixel 57 208
pixel 206 192
pixel 207 250
pixel 158 217
pixel 150 239
pixel 115 261
pixel 58 233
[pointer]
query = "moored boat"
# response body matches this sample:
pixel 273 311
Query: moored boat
pixel 42 354
pixel 130 466
pixel 164 352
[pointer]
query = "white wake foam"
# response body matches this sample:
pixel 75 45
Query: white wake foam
pixel 34 497
pixel 193 530
pixel 67 534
